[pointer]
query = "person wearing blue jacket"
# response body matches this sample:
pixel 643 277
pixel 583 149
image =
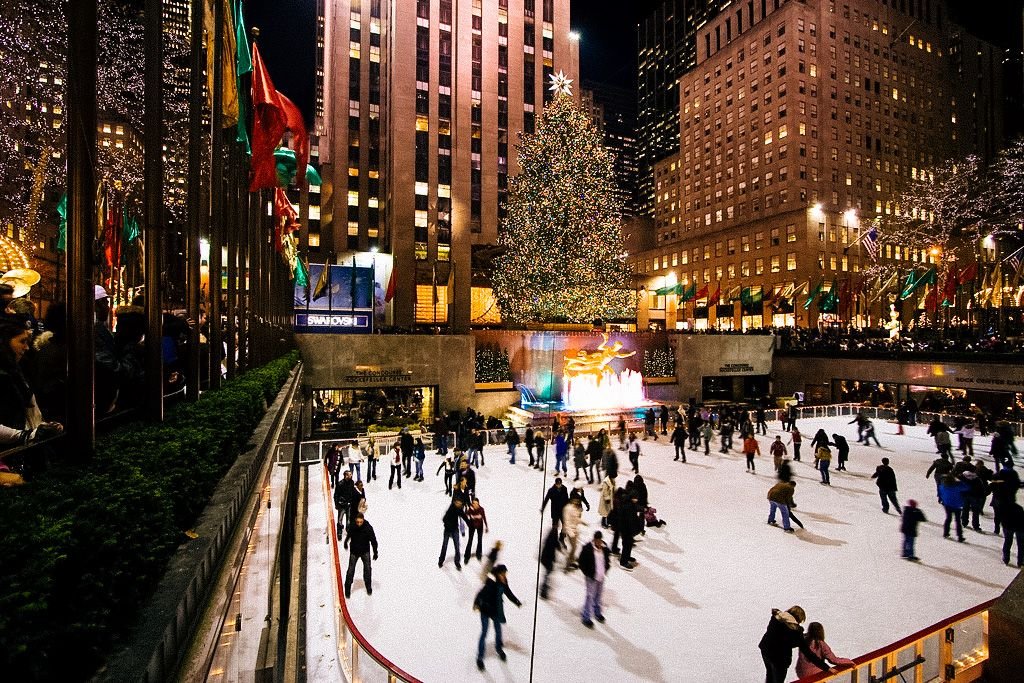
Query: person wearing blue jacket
pixel 951 494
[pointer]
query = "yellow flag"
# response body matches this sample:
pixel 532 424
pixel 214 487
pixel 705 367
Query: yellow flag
pixel 229 98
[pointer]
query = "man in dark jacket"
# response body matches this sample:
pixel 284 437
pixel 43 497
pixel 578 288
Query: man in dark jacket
pixel 343 495
pixel 559 497
pixel 451 531
pixel 885 478
pixel 629 523
pixel 490 602
pixel 912 516
pixel 406 443
pixel 1012 518
pixel 783 635
pixel 359 542
pixel 678 440
pixel 941 466
pixel 594 568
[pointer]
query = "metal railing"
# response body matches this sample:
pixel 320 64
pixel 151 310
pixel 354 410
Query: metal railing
pixel 359 660
pixel 954 649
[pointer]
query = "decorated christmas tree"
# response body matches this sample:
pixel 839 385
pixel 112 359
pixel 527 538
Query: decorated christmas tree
pixel 564 258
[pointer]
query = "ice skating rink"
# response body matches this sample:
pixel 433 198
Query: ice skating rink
pixel 697 604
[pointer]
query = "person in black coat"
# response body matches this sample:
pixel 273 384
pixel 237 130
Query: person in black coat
pixel 885 479
pixel 678 439
pixel 912 516
pixel 450 520
pixel 406 443
pixel 843 452
pixel 1012 518
pixel 783 635
pixel 594 570
pixel 490 602
pixel 558 495
pixel 344 492
pixel 361 539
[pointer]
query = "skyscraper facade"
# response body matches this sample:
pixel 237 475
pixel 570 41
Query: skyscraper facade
pixel 666 49
pixel 422 101
pixel 800 123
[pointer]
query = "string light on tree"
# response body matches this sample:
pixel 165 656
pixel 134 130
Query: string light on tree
pixel 563 258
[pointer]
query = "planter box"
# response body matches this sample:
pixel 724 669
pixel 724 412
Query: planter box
pixel 660 380
pixel 493 386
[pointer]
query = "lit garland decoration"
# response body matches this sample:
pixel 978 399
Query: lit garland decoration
pixel 492 364
pixel 564 258
pixel 659 363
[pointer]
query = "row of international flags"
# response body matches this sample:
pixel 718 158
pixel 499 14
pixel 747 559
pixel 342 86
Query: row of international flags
pixel 927 287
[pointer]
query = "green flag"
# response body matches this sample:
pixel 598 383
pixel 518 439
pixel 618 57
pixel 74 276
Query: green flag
pixel 929 277
pixel 814 294
pixel 243 65
pixel 830 302
pixel 62 227
pixel 286 165
pixel 301 274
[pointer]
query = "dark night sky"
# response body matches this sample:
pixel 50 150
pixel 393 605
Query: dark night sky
pixel 606 48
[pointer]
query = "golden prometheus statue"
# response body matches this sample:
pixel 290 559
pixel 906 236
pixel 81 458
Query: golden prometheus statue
pixel 594 363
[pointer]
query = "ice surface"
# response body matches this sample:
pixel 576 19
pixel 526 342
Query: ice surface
pixel 697 604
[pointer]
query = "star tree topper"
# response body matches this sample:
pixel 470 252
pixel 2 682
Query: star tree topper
pixel 560 83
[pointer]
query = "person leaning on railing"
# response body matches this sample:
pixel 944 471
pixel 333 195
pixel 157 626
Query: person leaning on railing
pixel 21 421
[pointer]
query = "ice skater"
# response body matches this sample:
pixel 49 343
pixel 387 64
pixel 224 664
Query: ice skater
pixel 750 449
pixel 815 640
pixel 783 635
pixel 594 567
pixel 778 451
pixel 780 498
pixel 912 517
pixel 476 520
pixel 490 602
pixel 885 479
pixel 396 465
pixel 558 496
pixel 951 495
pixel 823 457
pixel 361 538
pixel 634 452
pixel 452 516
pixel 678 440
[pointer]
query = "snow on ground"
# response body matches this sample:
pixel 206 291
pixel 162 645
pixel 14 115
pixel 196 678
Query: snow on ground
pixel 697 604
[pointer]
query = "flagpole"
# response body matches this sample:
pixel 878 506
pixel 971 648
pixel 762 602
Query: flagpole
pixel 154 205
pixel 81 212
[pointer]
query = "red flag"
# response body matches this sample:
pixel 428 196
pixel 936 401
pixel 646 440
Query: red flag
pixel 716 297
pixel 112 237
pixel 931 301
pixel 968 274
pixel 273 114
pixel 390 294
pixel 286 220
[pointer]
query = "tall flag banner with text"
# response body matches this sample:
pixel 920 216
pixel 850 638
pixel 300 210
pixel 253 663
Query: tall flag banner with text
pixel 273 115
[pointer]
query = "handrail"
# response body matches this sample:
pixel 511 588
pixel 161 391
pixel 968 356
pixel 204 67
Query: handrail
pixel 394 672
pixel 901 644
